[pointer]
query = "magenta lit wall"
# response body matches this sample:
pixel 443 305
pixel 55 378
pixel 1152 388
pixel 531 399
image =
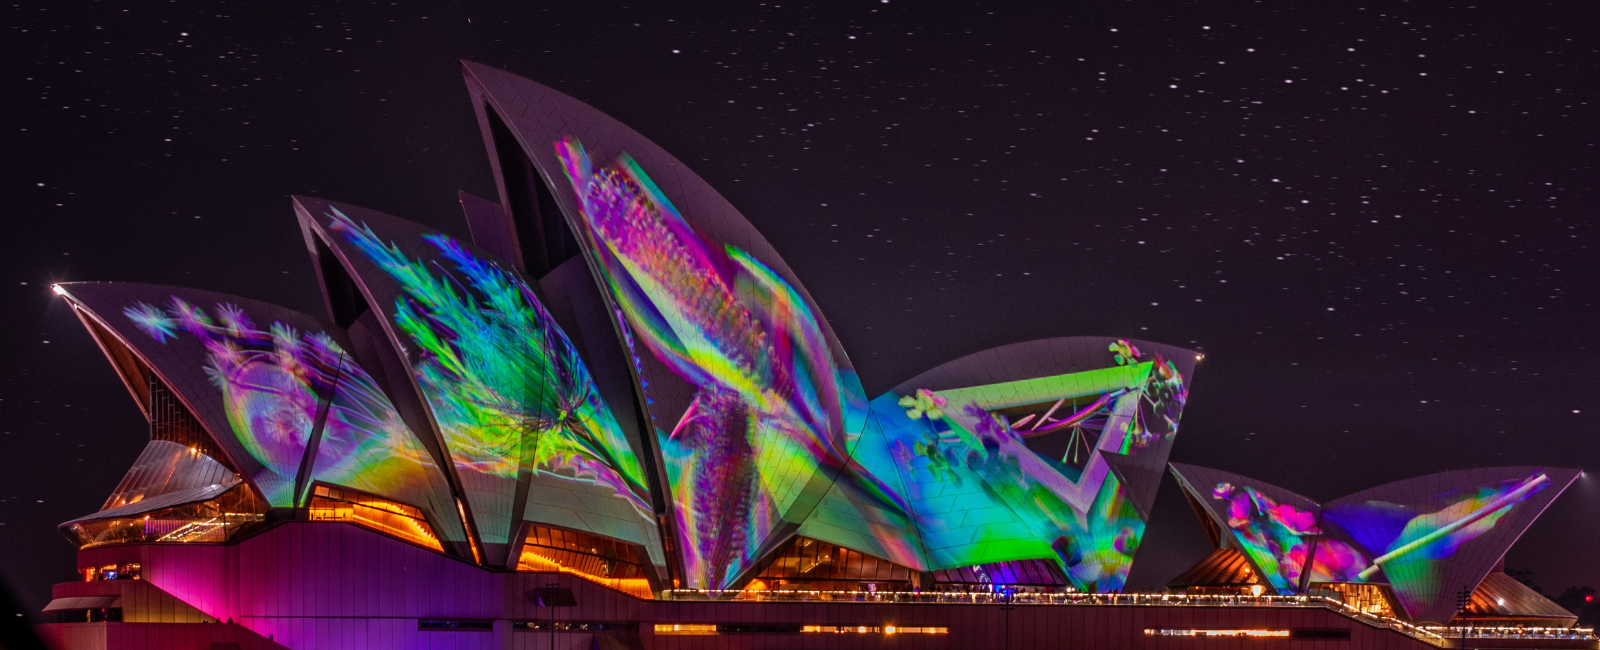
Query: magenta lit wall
pixel 330 586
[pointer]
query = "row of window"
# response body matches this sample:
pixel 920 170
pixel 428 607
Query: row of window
pixel 1218 633
pixel 789 628
pixel 606 562
pixel 129 571
pixel 394 519
pixel 807 564
pixel 1297 633
pixel 216 520
pixel 107 615
pixel 480 625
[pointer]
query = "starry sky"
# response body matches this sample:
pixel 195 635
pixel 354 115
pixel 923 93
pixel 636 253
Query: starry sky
pixel 1375 219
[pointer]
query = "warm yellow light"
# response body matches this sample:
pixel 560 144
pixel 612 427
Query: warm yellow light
pixel 867 629
pixel 1218 633
pixel 685 628
pixel 636 587
pixel 1255 590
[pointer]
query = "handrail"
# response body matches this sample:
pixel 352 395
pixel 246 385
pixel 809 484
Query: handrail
pixel 1511 632
pixel 1436 636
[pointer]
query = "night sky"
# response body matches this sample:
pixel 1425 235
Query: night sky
pixel 1375 220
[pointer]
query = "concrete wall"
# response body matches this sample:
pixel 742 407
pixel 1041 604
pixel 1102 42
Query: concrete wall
pixel 334 586
pixel 142 602
pixel 152 636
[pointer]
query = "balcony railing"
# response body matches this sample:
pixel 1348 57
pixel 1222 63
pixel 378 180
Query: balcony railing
pixel 1508 632
pixel 1434 636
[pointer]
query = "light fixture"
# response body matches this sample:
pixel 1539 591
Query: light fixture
pixel 1255 590
pixel 58 290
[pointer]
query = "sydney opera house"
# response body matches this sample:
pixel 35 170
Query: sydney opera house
pixel 615 418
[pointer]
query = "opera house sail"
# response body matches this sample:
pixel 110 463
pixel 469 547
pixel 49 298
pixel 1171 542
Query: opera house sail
pixel 681 384
pixel 1420 543
pixel 616 379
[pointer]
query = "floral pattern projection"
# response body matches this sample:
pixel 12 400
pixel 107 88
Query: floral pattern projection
pixel 981 494
pixel 1278 538
pixel 1389 542
pixel 505 384
pixel 273 382
pixel 766 416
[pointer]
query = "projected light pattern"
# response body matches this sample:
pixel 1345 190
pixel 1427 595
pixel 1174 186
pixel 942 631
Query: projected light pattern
pixel 1426 537
pixel 981 495
pixel 873 495
pixel 506 386
pixel 765 420
pixel 1409 546
pixel 1276 536
pixel 1336 561
pixel 273 381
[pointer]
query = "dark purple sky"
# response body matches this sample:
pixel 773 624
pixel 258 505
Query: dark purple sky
pixel 1377 221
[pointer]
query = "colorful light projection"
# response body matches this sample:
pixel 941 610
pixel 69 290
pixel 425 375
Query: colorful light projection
pixel 1409 546
pixel 766 416
pixel 981 494
pixel 273 382
pixel 1401 544
pixel 1336 561
pixel 506 386
pixel 866 508
pixel 1278 537
pixel 767 407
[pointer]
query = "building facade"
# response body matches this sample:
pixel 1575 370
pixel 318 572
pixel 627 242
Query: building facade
pixel 615 416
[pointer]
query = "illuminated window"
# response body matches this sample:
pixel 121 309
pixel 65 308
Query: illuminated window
pixel 574 626
pixel 604 561
pixel 216 520
pixel 387 517
pixel 685 628
pixel 915 630
pixel 128 571
pixel 779 628
pixel 813 564
pixel 1248 634
pixel 1367 598
pixel 170 420
pixel 871 629
pixel 1043 573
